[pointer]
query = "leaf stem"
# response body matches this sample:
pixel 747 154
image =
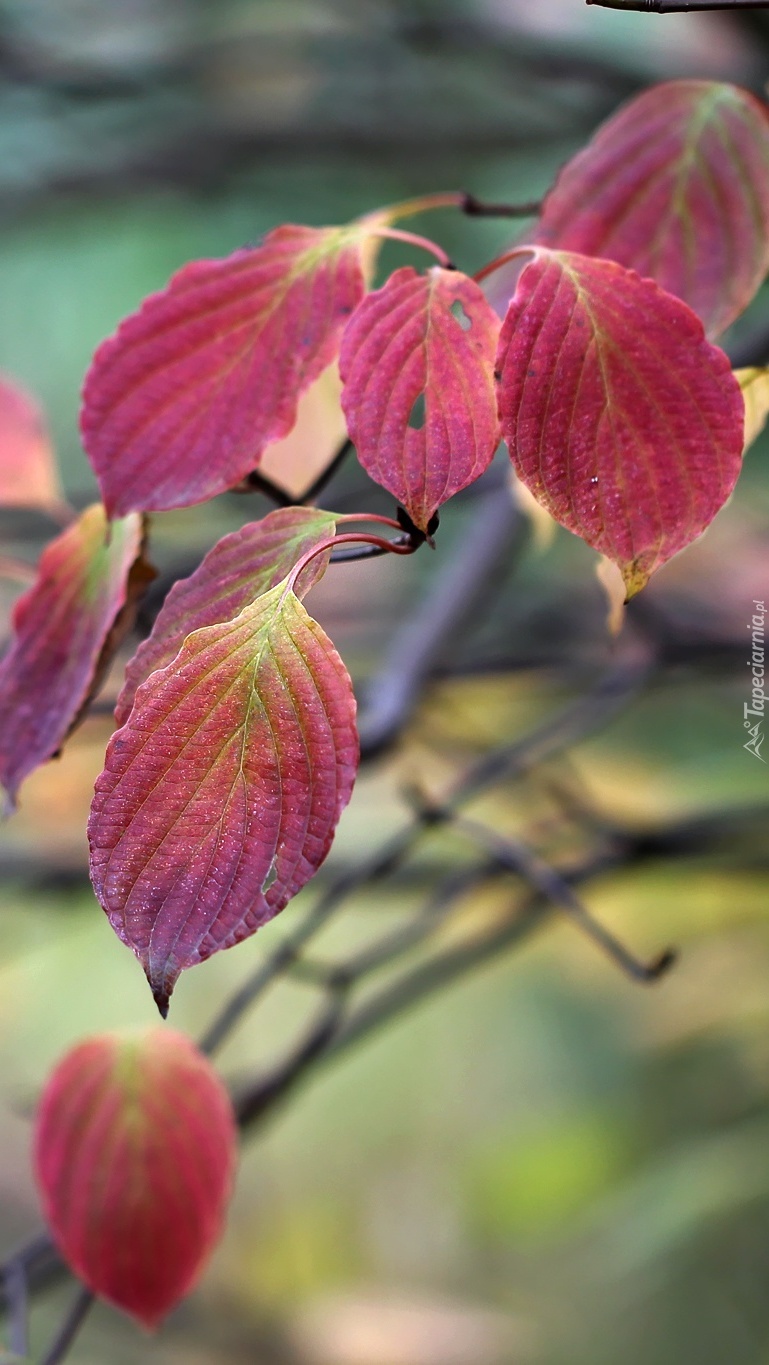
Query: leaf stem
pixel 369 516
pixel 499 261
pixel 414 239
pixel 395 547
pixel 354 553
pixel 445 199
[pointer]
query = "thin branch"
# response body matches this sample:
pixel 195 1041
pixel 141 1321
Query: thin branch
pixel 273 967
pixel 518 857
pixel 314 490
pixel 417 985
pixel 257 482
pixel 495 534
pixel 678 6
pixel 613 691
pixel 254 1101
pixel 394 945
pixel 39 1262
pixel 69 1328
pixel 479 208
pixel 17 1301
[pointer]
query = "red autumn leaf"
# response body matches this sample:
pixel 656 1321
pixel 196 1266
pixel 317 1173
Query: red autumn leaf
pixel 179 405
pixel 675 186
pixel 221 793
pixel 625 423
pixel 134 1156
pixel 240 567
pixel 65 630
pixel 417 363
pixel 28 476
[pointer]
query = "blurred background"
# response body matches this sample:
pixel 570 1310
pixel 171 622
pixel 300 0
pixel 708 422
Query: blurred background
pixel 545 1163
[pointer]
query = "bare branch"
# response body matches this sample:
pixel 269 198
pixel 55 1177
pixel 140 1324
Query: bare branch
pixel 16 1297
pixel 69 1328
pixel 518 857
pixel 495 533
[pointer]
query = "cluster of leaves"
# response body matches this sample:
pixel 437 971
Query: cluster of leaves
pixel 589 349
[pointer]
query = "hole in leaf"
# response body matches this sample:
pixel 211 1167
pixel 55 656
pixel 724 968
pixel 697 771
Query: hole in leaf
pixel 272 873
pixel 461 316
pixel 418 413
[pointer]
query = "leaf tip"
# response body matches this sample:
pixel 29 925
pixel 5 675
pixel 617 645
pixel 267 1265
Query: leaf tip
pixel 634 577
pixel 161 982
pixel 162 997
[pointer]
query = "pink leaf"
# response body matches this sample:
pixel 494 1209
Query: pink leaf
pixel 422 341
pixel 675 186
pixel 221 793
pixel 28 476
pixel 625 423
pixel 239 568
pixel 179 405
pixel 66 628
pixel 134 1151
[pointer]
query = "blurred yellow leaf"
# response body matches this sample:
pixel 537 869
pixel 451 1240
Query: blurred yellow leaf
pixel 754 382
pixel 613 584
pixel 542 524
pixel 313 440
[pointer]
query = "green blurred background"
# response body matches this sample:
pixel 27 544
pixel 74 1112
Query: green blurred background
pixel 546 1164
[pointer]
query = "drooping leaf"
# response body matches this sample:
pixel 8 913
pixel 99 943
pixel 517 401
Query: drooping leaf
pixel 754 383
pixel 28 475
pixel 66 629
pixel 619 416
pixel 134 1154
pixel 221 793
pixel 675 186
pixel 240 567
pixel 179 405
pixel 417 364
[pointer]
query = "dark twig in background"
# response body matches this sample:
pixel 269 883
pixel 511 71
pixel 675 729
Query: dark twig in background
pixel 73 1321
pixel 16 1297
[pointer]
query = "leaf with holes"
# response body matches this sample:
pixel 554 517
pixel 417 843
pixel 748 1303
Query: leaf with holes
pixel 240 567
pixel 417 364
pixel 134 1154
pixel 28 475
pixel 179 405
pixel 222 791
pixel 621 418
pixel 66 629
pixel 675 186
